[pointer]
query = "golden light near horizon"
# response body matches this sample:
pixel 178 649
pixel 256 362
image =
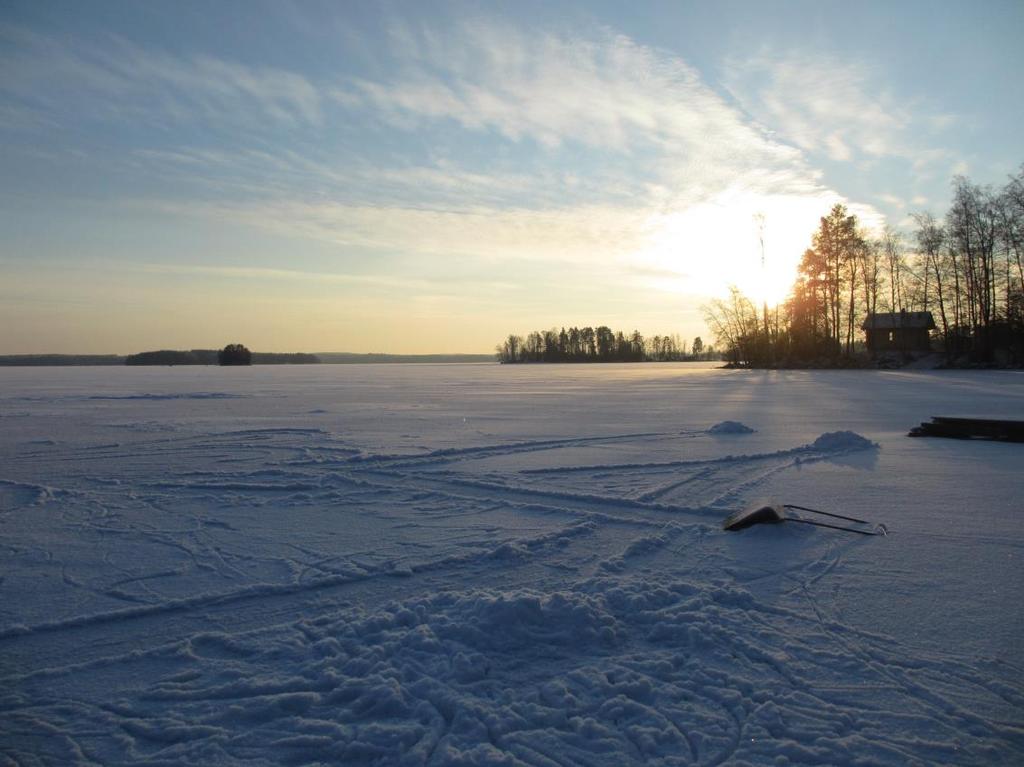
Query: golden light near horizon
pixel 710 246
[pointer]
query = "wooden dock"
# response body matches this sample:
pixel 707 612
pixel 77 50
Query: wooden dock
pixel 971 428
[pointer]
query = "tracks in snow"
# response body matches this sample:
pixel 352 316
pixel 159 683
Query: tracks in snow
pixel 292 467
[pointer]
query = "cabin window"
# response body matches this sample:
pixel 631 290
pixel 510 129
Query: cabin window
pixel 892 336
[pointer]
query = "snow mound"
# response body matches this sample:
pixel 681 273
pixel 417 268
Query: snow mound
pixel 730 427
pixel 835 441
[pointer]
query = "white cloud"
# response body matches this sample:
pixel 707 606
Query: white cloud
pixel 836 148
pixel 275 274
pixel 840 109
pixel 893 200
pixel 685 157
pixel 607 94
pixel 119 79
pixel 595 235
pixel 621 142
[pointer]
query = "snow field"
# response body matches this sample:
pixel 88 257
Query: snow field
pixel 484 565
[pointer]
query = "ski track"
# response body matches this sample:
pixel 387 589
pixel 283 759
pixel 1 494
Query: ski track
pixel 361 643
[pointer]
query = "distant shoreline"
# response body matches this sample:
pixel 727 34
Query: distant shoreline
pixel 324 358
pixel 352 358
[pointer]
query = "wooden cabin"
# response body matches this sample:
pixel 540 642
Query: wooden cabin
pixel 903 332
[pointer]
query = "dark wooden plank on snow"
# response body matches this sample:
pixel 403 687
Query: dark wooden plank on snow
pixel 971 428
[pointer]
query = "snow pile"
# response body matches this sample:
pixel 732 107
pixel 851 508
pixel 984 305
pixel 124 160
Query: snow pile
pixel 842 441
pixel 730 427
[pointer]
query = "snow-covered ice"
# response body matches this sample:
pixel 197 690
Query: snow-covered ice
pixel 515 565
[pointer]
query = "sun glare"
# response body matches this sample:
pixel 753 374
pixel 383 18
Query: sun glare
pixel 715 244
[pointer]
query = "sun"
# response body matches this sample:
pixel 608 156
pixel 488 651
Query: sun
pixel 752 241
pixel 764 282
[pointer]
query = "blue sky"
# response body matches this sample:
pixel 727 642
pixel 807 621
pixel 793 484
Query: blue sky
pixel 414 177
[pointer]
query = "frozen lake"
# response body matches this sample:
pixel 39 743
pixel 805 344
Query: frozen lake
pixel 478 564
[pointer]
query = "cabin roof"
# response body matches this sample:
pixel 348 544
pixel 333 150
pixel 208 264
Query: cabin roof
pixel 897 320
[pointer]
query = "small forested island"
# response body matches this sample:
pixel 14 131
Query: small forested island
pixel 234 354
pixel 601 344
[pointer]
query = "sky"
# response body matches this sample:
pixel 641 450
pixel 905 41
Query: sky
pixel 430 177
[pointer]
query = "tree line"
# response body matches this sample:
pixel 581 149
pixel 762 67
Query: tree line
pixel 600 344
pixel 59 360
pixel 232 354
pixel 967 269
